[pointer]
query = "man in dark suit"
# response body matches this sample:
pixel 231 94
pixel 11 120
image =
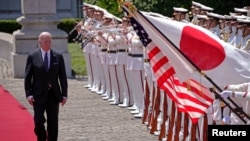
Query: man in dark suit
pixel 45 87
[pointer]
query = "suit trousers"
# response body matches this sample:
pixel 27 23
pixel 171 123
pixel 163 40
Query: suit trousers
pixel 51 108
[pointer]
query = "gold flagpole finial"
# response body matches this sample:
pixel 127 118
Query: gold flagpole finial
pixel 120 3
pixel 188 85
pixel 130 7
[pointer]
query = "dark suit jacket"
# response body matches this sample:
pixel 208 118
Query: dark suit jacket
pixel 37 79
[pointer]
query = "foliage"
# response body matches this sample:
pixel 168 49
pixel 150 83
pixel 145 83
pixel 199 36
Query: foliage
pixel 77 59
pixel 165 7
pixel 68 24
pixel 9 26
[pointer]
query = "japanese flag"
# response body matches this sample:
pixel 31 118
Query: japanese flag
pixel 188 45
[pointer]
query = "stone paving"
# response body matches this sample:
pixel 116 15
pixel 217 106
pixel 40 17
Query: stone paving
pixel 85 117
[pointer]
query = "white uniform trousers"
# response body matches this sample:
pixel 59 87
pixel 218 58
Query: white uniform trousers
pixel 114 83
pixel 107 80
pixel 130 87
pixel 149 81
pixel 89 68
pixel 95 68
pixel 101 77
pixel 137 89
pixel 123 83
pixel 217 112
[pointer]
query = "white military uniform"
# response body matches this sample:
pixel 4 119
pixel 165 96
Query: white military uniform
pixel 98 74
pixel 232 36
pixel 111 62
pixel 103 58
pixel 129 71
pixel 121 60
pixel 87 51
pixel 238 39
pixel 241 100
pixel 137 68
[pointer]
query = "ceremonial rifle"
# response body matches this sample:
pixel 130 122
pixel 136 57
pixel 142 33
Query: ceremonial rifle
pixel 146 102
pixel 156 111
pixel 151 108
pixel 205 128
pixel 185 130
pixel 177 126
pixel 164 119
pixel 171 123
pixel 193 132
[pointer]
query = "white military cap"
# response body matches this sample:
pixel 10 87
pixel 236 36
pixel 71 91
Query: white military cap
pixel 240 10
pixel 108 16
pixel 196 4
pixel 214 15
pixel 206 8
pixel 180 9
pixel 239 16
pixel 202 17
pixel 244 21
pixel 228 17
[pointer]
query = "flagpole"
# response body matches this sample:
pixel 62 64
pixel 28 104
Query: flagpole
pixel 203 74
pixel 196 67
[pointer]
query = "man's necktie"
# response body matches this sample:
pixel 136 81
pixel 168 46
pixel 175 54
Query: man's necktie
pixel 46 62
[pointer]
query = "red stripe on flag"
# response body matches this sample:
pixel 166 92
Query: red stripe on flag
pixel 159 64
pixel 162 79
pixel 155 50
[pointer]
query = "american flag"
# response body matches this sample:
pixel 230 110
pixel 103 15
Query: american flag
pixel 190 97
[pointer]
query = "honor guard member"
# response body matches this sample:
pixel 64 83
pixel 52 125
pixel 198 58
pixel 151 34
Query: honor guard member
pixel 129 37
pixel 97 71
pixel 121 61
pixel 240 95
pixel 87 48
pixel 201 20
pixel 237 40
pixel 241 11
pixel 103 39
pixel 227 29
pixel 137 68
pixel 246 34
pixel 233 33
pixel 214 20
pixel 204 9
pixel 195 10
pixel 111 59
pixel 84 11
pixel 181 14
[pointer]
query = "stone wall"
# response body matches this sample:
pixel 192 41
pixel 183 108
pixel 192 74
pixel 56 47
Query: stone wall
pixel 11 9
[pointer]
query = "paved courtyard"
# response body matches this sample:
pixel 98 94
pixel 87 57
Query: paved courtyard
pixel 85 117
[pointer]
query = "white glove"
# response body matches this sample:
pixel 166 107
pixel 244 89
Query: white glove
pixel 226 94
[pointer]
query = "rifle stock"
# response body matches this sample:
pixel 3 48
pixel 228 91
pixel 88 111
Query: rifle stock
pixel 193 132
pixel 146 103
pixel 165 117
pixel 177 126
pixel 205 128
pixel 171 124
pixel 156 111
pixel 186 122
pixel 151 108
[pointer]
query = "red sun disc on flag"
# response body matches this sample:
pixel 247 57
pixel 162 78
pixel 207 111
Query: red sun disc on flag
pixel 205 52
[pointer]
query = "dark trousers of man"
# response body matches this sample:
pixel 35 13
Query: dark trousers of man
pixel 51 107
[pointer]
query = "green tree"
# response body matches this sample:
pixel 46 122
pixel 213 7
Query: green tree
pixel 165 7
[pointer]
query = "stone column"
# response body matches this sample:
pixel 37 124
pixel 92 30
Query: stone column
pixel 38 16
